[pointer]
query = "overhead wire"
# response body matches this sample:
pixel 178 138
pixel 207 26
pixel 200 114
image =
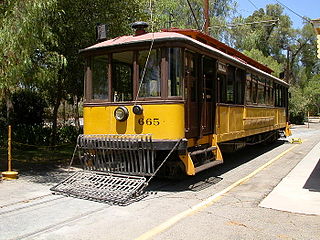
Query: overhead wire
pixel 304 18
pixel 193 14
pixel 274 21
pixel 253 4
pixel 148 56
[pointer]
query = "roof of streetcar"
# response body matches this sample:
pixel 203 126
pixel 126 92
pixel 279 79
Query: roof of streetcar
pixel 191 36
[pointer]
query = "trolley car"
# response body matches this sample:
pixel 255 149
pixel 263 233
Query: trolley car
pixel 176 92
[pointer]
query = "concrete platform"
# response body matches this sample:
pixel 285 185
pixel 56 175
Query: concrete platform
pixel 299 191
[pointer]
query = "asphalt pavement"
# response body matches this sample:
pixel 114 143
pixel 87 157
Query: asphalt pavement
pixel 261 192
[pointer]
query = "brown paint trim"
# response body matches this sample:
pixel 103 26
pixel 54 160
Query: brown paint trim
pixel 110 76
pixel 135 75
pixel 104 103
pixel 89 79
pixel 164 74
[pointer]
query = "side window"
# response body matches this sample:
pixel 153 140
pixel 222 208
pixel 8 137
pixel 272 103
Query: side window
pixel 248 88
pixel 254 88
pixel 239 85
pixel 222 87
pixel 230 84
pixel 261 90
pixel 208 77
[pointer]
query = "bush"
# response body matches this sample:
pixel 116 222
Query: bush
pixel 28 107
pixel 68 134
pixel 297 118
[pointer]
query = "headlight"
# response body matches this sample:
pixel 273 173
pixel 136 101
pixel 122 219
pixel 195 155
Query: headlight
pixel 137 109
pixel 121 113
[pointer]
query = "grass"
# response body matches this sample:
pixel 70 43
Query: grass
pixel 36 157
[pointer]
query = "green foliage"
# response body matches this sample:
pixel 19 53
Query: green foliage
pixel 30 136
pixel 297 105
pixel 24 28
pixel 268 61
pixel 167 13
pixel 23 135
pixel 28 107
pixel 270 38
pixel 68 134
pixel 312 91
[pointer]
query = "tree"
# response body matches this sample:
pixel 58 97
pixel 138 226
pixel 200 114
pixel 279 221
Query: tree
pixel 312 92
pixel 167 13
pixel 268 61
pixel 268 30
pixel 24 30
pixel 297 105
pixel 74 29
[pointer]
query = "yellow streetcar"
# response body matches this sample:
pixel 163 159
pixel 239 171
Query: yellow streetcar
pixel 173 99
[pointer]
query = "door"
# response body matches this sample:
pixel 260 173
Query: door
pixel 207 95
pixel 192 123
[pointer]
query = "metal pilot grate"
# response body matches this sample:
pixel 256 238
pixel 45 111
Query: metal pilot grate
pixel 131 154
pixel 102 187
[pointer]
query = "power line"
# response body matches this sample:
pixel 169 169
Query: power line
pixel 249 23
pixel 304 18
pixel 253 4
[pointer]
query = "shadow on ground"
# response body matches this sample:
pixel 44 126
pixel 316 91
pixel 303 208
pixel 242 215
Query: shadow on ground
pixel 211 176
pixel 313 183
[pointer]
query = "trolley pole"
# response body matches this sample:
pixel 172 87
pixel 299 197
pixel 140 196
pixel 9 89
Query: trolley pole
pixel 10 174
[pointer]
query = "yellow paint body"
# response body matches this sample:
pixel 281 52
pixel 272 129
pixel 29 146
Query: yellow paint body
pixel 166 122
pixel 234 122
pixel 163 121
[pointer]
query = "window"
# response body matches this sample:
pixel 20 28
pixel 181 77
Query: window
pixel 174 72
pixel 230 84
pixel 122 76
pixel 208 65
pixel 261 91
pixel 280 100
pixel 149 73
pixel 269 92
pixel 254 88
pixel 239 84
pixel 248 88
pixel 100 81
pixel 222 87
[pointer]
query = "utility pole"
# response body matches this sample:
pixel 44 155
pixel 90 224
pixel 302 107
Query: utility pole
pixel 206 16
pixel 287 72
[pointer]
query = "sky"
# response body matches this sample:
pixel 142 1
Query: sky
pixel 306 8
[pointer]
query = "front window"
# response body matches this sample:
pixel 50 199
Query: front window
pixel 100 77
pixel 149 73
pixel 122 76
pixel 174 72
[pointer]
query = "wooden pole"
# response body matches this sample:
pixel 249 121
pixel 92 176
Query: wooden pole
pixel 308 118
pixel 9 149
pixel 10 174
pixel 206 16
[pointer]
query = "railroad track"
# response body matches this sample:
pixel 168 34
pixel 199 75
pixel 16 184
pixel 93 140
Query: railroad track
pixel 58 225
pixel 32 204
pixel 27 203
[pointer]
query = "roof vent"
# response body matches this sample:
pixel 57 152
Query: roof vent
pixel 101 32
pixel 139 27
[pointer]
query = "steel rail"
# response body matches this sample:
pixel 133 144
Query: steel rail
pixel 28 205
pixel 59 224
